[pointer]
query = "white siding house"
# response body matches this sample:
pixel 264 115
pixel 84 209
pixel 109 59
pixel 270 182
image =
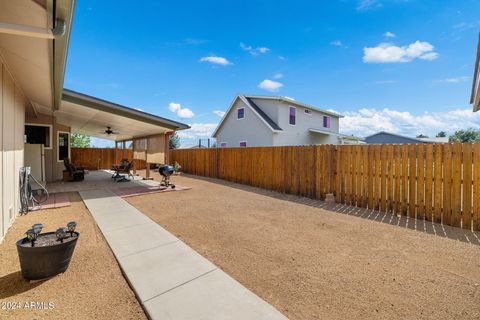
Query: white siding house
pixel 254 121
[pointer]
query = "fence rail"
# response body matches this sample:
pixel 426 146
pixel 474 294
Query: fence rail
pixel 102 158
pixel 436 182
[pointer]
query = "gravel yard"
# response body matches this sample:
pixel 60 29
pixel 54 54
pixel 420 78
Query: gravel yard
pixel 315 264
pixel 92 288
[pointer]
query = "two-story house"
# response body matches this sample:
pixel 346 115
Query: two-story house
pixel 277 121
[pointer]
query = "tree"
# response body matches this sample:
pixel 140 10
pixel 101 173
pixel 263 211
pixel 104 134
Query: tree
pixel 421 135
pixel 174 142
pixel 441 134
pixel 469 135
pixel 80 141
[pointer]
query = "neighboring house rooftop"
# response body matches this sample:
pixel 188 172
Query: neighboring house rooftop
pixel 435 139
pixel 475 96
pixel 262 114
pixel 272 125
pixel 297 103
pixel 413 140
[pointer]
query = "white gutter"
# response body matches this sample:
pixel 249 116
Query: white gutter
pixel 34 32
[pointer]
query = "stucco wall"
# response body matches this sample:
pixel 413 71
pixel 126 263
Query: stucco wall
pixel 53 168
pixel 299 133
pixel 250 129
pixel 12 106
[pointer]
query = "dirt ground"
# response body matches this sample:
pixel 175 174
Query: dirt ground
pixel 93 286
pixel 315 264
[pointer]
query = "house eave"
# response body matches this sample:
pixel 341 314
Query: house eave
pixel 297 103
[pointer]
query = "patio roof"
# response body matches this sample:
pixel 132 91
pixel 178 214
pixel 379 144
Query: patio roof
pixel 35 54
pixel 91 116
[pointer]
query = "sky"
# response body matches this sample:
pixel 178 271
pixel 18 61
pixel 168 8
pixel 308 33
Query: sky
pixel 403 66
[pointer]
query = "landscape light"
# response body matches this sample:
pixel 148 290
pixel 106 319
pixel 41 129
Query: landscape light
pixel 37 228
pixel 32 236
pixel 61 233
pixel 71 227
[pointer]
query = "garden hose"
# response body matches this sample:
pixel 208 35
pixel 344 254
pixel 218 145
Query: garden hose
pixel 27 195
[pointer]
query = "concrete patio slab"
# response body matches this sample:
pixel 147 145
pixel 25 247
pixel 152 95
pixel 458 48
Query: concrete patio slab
pixel 171 280
pixel 135 239
pixel 213 296
pixel 160 269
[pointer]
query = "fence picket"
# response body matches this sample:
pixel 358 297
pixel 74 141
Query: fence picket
pixel 440 183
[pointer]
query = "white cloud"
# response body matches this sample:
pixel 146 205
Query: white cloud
pixel 278 76
pixel 185 113
pixel 364 5
pixel 179 111
pixel 219 113
pixel 253 51
pixel 198 131
pixel 336 43
pixel 455 80
pixel 389 53
pixel 270 85
pixel 389 34
pixel 281 58
pixel 216 60
pixel 367 121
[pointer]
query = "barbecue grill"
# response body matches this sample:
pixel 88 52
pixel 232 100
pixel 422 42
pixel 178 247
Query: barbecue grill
pixel 166 171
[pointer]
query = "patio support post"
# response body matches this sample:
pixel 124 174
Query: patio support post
pixel 133 156
pixel 115 153
pixel 147 165
pixel 167 146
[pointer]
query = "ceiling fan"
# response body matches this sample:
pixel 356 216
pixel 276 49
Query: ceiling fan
pixel 109 131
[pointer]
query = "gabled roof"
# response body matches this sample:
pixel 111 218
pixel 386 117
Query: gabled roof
pixel 272 125
pixel 475 96
pixel 265 117
pixel 297 103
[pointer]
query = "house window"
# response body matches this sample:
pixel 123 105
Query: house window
pixel 326 122
pixel 243 143
pixel 293 116
pixel 38 134
pixel 63 146
pixel 240 113
pixel 308 111
pixel 223 145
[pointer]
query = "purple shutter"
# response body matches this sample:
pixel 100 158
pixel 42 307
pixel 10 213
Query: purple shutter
pixel 293 112
pixel 326 122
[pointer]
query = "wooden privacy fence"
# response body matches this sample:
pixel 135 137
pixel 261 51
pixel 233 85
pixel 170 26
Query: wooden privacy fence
pixel 436 182
pixel 102 158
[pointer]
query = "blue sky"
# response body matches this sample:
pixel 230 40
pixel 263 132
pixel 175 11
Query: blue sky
pixel 399 65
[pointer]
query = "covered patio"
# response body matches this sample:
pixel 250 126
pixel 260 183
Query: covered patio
pixel 145 136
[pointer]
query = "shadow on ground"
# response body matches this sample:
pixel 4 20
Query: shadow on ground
pixel 13 284
pixel 425 226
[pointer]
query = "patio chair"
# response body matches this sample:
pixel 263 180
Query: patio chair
pixel 74 173
pixel 116 168
pixel 126 171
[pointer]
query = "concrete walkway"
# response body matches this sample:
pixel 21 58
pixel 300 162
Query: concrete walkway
pixel 170 279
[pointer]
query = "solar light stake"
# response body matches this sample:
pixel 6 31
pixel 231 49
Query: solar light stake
pixel 61 233
pixel 32 236
pixel 37 228
pixel 71 227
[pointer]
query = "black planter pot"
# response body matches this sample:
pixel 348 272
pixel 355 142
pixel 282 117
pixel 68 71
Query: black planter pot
pixel 43 262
